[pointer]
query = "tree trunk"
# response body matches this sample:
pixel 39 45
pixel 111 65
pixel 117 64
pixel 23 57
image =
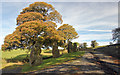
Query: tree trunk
pixel 55 50
pixel 75 47
pixel 35 57
pixel 70 47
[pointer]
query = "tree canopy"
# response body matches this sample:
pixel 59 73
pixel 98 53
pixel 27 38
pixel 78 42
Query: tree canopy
pixel 47 10
pixel 67 32
pixel 29 16
pixel 12 41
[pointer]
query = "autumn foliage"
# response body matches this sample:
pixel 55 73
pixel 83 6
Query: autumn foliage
pixel 29 16
pixel 67 32
pixel 47 10
pixel 37 28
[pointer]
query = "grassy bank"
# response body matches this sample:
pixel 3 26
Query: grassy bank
pixel 16 56
pixel 52 61
pixel 21 54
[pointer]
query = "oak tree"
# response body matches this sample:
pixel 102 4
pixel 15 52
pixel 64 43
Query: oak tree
pixel 48 12
pixel 36 27
pixel 68 33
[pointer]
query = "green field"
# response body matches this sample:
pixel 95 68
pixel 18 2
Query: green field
pixel 18 55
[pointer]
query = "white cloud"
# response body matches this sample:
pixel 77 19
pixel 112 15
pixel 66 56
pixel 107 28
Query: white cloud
pixel 95 24
pixel 88 38
pixel 85 15
pixel 100 30
pixel 106 36
pixel 87 12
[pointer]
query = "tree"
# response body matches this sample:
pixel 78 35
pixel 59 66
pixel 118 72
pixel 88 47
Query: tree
pixel 94 43
pixel 32 32
pixel 35 29
pixel 70 47
pixel 77 43
pixel 37 34
pixel 47 13
pixel 52 39
pixel 67 32
pixel 116 34
pixel 74 47
pixel 84 45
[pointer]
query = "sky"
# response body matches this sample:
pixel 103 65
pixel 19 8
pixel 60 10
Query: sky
pixel 91 20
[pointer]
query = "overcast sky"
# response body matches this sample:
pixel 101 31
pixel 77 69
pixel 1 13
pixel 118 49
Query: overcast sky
pixel 91 20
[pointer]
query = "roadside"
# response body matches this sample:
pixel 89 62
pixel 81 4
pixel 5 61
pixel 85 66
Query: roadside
pixel 46 63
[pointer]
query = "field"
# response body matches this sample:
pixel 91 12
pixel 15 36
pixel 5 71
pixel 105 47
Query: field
pixel 17 57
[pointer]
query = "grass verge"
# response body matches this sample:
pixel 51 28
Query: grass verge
pixel 52 61
pixel 19 55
